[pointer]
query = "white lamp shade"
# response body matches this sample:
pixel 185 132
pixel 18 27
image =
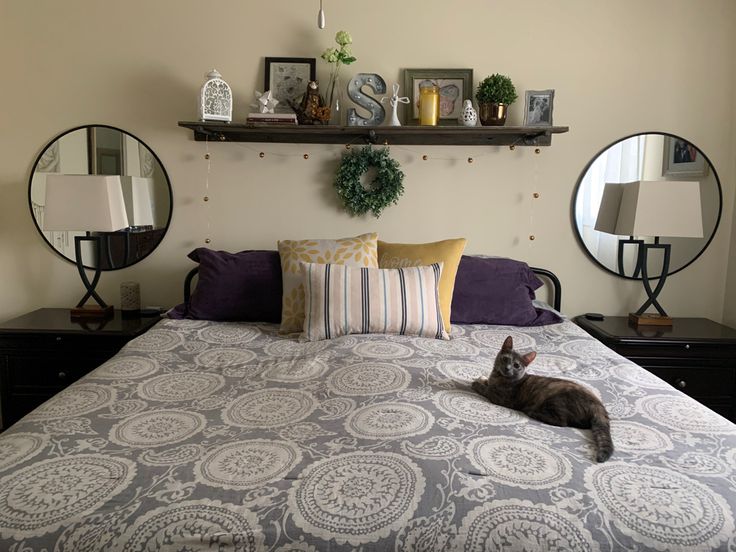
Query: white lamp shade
pixel 138 196
pixel 85 203
pixel 653 208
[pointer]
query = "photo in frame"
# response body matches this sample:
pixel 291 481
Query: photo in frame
pixel 681 158
pixel 287 78
pixel 538 107
pixel 456 85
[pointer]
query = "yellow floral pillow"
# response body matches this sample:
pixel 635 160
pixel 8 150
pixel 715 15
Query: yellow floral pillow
pixel 358 251
pixel 402 255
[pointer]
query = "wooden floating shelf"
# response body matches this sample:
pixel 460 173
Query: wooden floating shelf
pixel 403 135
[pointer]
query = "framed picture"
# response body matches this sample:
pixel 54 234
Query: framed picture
pixel 538 107
pixel 287 78
pixel 681 158
pixel 456 85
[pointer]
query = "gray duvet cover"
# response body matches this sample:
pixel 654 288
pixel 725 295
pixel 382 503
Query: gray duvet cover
pixel 227 436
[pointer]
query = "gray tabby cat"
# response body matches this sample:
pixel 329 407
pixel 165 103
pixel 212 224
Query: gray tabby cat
pixel 553 401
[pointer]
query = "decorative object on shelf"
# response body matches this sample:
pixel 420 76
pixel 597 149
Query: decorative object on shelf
pixel 394 102
pixel 682 159
pixel 455 86
pixel 469 116
pixel 312 109
pixel 265 102
pixel 495 94
pixel 269 119
pixel 429 103
pixel 369 103
pixel 130 297
pixel 385 189
pixel 287 78
pixel 337 57
pixel 321 17
pixel 538 109
pixel 637 209
pixel 99 202
pixel 215 99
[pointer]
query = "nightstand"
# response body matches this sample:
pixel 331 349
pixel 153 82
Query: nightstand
pixel 695 355
pixel 42 352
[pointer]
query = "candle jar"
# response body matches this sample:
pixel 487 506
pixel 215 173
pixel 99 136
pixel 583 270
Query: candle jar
pixel 429 104
pixel 130 296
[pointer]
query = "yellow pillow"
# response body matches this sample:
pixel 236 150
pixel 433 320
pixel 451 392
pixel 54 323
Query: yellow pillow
pixel 358 251
pixel 401 255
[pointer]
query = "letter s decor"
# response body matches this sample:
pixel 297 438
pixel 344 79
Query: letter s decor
pixel 369 103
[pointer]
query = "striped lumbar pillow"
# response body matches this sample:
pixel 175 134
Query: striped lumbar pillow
pixel 343 299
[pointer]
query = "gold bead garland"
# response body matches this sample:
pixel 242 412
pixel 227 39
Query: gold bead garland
pixel 206 197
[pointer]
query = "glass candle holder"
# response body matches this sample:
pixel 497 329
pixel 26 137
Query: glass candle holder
pixel 429 104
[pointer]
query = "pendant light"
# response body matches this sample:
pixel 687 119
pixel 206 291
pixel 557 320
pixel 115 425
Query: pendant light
pixel 321 16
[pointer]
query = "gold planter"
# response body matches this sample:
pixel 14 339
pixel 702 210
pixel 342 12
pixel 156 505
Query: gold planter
pixel 492 114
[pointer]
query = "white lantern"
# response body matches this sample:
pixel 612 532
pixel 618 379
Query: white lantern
pixel 215 99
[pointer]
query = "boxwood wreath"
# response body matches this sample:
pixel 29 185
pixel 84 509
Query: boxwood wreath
pixel 383 191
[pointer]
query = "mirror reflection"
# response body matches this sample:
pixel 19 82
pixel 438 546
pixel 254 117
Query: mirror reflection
pixel 104 151
pixel 648 159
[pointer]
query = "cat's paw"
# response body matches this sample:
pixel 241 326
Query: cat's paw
pixel 480 384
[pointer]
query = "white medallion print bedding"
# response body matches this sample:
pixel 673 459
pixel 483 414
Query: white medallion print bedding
pixel 229 436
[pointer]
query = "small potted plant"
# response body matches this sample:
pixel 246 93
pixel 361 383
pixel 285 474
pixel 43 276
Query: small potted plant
pixel 495 94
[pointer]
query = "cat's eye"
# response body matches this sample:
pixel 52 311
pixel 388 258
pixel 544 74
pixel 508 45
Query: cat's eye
pixel 516 364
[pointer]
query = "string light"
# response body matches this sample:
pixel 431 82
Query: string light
pixel 535 195
pixel 207 157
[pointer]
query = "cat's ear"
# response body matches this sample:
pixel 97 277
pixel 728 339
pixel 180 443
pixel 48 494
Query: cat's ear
pixel 529 357
pixel 508 344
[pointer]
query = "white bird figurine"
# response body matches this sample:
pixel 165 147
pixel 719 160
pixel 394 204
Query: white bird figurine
pixel 266 102
pixel 394 102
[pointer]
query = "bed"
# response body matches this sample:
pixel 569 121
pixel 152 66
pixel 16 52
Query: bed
pixel 206 435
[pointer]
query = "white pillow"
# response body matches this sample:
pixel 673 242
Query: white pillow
pixel 341 300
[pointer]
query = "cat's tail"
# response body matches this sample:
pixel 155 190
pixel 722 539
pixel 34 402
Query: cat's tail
pixel 600 427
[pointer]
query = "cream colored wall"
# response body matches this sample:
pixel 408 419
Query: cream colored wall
pixel 729 308
pixel 617 68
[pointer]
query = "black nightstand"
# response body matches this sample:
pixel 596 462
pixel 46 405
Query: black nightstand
pixel 695 355
pixel 43 351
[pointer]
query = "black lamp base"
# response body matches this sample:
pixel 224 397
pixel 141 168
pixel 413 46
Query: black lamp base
pixel 100 311
pixel 649 319
pixel 92 312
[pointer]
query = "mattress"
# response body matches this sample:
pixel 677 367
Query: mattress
pixel 227 436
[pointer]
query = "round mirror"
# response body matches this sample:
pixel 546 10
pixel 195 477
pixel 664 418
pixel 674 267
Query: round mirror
pixel 134 179
pixel 644 158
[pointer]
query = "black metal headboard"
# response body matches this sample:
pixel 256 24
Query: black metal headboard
pixel 550 276
pixel 556 286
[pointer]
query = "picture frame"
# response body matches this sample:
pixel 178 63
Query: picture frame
pixel 681 158
pixel 456 86
pixel 538 107
pixel 287 77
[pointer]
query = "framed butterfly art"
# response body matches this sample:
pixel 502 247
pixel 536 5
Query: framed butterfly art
pixel 456 85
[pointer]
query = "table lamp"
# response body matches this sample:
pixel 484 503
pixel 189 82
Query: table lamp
pixel 138 196
pixel 88 203
pixel 655 209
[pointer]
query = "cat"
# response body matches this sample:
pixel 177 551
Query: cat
pixel 553 401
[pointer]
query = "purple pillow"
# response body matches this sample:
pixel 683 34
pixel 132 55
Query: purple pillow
pixel 244 286
pixel 497 291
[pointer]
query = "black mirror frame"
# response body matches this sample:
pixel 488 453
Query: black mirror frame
pixel 579 238
pixel 163 169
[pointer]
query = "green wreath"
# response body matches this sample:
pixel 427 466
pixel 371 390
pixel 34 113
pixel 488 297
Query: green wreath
pixel 383 191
